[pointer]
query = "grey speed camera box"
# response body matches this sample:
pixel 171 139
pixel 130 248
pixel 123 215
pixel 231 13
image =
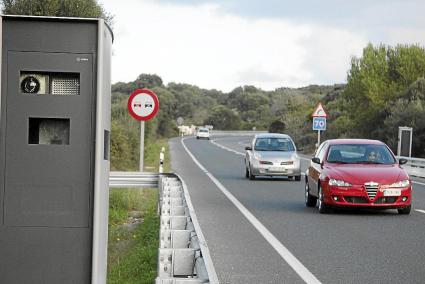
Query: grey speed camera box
pixel 54 149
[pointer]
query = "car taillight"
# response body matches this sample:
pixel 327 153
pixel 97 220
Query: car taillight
pixel 287 163
pixel 266 163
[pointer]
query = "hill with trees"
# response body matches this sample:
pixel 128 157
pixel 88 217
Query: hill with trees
pixel 385 89
pixel 244 108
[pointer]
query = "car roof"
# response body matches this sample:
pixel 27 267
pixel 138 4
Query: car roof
pixel 272 135
pixel 355 141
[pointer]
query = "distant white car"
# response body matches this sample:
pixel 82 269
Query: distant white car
pixel 203 133
pixel 272 154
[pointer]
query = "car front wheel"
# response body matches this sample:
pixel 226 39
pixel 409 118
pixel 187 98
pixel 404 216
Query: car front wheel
pixel 310 200
pixel 251 176
pixel 405 210
pixel 323 208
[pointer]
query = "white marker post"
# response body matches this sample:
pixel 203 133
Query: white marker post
pixel 142 104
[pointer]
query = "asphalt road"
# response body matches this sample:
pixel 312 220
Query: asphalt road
pixel 261 231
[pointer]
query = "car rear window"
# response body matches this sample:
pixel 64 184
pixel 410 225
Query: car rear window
pixel 360 154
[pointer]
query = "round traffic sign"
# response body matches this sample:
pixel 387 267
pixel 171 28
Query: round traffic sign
pixel 180 120
pixel 143 104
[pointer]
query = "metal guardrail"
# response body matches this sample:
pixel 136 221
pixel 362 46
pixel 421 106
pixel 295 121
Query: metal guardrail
pixel 133 179
pixel 183 254
pixel 414 166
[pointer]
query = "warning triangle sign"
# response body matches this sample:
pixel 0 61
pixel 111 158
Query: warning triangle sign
pixel 319 111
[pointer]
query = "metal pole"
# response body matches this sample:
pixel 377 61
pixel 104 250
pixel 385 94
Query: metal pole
pixel 142 144
pixel 318 138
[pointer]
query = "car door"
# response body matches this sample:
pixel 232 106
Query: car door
pixel 315 170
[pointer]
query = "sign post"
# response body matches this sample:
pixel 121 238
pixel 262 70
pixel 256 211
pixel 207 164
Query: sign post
pixel 319 121
pixel 142 105
pixel 142 145
pixel 180 121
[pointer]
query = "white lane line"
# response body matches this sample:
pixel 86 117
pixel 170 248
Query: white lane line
pixel 244 144
pixel 226 148
pixel 298 267
pixel 212 275
pixel 422 211
pixel 238 153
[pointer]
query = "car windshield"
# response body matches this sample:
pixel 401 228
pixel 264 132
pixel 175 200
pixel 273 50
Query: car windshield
pixel 274 144
pixel 360 154
pixel 203 130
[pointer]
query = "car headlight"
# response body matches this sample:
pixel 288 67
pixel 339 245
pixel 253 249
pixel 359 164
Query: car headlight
pixel 402 183
pixel 338 182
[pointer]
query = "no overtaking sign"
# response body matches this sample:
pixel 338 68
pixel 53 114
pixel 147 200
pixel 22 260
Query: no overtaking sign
pixel 143 104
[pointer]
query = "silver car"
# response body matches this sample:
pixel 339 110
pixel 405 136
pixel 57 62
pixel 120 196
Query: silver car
pixel 272 154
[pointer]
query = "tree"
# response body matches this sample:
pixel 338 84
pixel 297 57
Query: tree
pixel 380 76
pixel 148 81
pixel 277 126
pixel 223 118
pixel 408 110
pixel 57 8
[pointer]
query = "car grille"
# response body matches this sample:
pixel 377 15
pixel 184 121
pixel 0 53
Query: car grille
pixel 355 199
pixel 372 189
pixel 386 200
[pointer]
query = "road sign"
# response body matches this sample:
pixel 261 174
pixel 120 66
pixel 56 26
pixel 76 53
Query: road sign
pixel 319 111
pixel 143 104
pixel 404 147
pixel 319 123
pixel 180 120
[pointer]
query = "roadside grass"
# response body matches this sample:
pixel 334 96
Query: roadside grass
pixel 134 227
pixel 151 163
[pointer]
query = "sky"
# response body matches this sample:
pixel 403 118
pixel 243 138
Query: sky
pixel 223 44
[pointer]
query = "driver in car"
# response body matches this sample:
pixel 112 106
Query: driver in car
pixel 372 156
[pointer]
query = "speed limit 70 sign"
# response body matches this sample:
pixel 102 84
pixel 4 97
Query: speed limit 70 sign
pixel 319 123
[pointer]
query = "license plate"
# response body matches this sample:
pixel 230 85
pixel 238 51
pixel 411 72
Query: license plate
pixel 277 169
pixel 392 192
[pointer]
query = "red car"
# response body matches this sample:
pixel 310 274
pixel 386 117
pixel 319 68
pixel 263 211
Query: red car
pixel 357 173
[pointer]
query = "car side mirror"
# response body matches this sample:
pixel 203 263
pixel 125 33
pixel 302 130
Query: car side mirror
pixel 316 160
pixel 402 161
pixel 300 149
pixel 248 148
